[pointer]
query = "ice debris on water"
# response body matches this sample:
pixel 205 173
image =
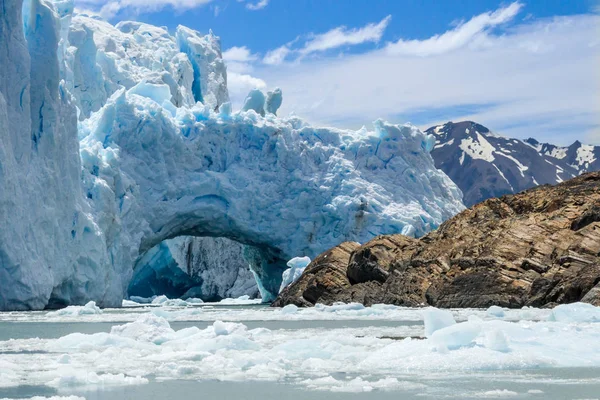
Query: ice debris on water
pixel 89 309
pixel 364 358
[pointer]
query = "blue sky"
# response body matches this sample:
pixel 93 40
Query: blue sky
pixel 520 68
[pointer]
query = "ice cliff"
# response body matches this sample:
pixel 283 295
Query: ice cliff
pixel 116 138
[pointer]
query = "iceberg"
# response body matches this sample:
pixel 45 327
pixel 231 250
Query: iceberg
pixel 117 138
pixel 296 265
pixel 435 319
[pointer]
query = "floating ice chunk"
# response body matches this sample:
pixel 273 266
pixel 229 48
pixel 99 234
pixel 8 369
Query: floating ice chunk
pixel 575 312
pixel 496 340
pixel 64 359
pixel 89 309
pixel 435 319
pixel 142 300
pixel 497 394
pixel 338 306
pixel 165 301
pixel 456 336
pixel 71 377
pixel 129 303
pixel 290 309
pixel 359 385
pixel 52 398
pixel 221 328
pixel 255 101
pixel 147 328
pixel 160 300
pixel 296 265
pixel 274 100
pixel 242 300
pixel 495 311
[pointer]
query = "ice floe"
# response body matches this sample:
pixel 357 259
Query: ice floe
pixel 335 359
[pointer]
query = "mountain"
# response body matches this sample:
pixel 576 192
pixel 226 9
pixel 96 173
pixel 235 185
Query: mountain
pixel 583 157
pixel 484 164
pixel 538 248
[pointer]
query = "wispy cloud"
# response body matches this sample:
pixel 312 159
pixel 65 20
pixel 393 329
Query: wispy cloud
pixel 534 77
pixel 109 9
pixel 257 6
pixel 342 36
pixel 332 39
pixel 458 37
pixel 277 56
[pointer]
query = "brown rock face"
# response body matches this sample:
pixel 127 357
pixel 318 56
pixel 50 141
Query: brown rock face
pixel 538 248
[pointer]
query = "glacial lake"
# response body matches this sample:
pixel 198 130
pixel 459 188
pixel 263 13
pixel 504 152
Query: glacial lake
pixel 256 352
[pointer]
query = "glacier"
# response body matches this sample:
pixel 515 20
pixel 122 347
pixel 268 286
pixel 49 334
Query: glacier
pixel 114 139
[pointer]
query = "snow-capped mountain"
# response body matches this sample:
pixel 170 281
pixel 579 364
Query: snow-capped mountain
pixel 582 157
pixel 484 164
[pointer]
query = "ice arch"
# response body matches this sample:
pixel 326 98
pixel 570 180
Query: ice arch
pixel 277 184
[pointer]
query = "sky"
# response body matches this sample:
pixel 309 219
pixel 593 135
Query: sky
pixel 523 69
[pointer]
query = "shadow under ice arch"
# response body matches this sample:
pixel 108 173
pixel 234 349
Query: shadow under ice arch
pixel 277 184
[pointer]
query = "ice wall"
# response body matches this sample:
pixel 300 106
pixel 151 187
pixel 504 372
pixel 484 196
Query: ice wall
pixel 160 155
pixel 45 258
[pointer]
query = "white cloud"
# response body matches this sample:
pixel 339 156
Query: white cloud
pixel 277 56
pixel 458 37
pixel 335 38
pixel 257 6
pixel 538 78
pixel 240 84
pixel 239 60
pixel 109 9
pixel 239 54
pixel 341 36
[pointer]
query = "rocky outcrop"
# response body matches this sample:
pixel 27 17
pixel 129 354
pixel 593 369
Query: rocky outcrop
pixel 323 279
pixel 537 248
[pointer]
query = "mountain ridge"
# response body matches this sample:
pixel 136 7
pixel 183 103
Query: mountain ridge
pixel 484 164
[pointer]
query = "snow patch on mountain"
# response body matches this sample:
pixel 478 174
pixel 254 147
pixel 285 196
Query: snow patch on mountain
pixel 477 147
pixel 585 156
pixel 485 164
